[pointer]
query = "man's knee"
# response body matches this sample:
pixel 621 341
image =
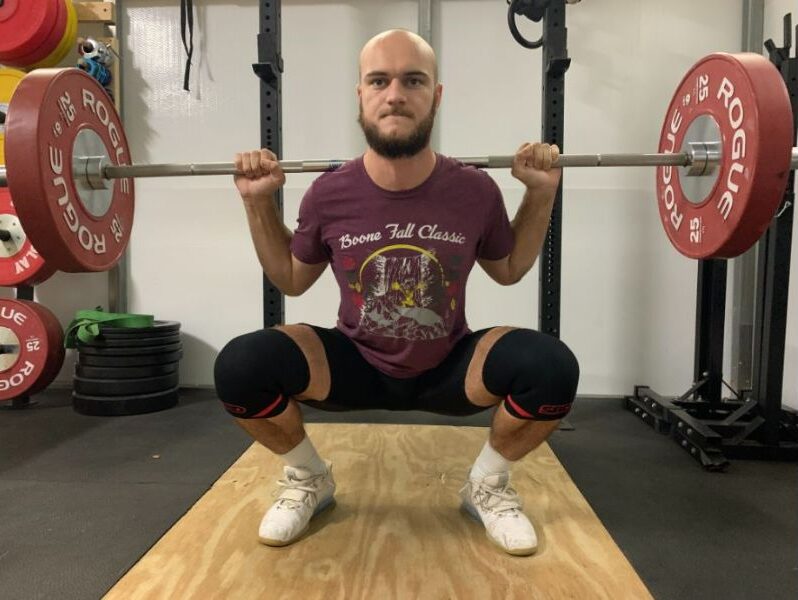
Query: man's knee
pixel 312 348
pixel 475 389
pixel 536 374
pixel 256 374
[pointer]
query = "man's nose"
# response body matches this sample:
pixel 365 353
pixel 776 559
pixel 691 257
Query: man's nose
pixel 395 92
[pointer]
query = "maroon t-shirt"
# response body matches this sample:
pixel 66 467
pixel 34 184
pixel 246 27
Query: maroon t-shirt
pixel 402 259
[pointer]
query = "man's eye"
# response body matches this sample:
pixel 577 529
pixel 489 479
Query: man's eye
pixel 377 82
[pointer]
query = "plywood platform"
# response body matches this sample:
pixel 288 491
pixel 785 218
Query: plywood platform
pixel 396 532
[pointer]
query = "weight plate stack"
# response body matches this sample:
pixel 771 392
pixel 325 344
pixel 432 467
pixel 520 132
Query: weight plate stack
pixel 128 370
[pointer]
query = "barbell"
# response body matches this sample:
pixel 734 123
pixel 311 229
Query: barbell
pixel 724 155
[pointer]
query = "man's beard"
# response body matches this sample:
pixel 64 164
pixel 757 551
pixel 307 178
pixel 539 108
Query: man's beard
pixel 393 147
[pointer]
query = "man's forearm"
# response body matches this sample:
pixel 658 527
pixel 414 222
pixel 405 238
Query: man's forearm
pixel 272 241
pixel 530 225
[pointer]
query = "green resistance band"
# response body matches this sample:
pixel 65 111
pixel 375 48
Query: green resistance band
pixel 86 324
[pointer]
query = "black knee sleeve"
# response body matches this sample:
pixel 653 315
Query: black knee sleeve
pixel 537 374
pixel 257 373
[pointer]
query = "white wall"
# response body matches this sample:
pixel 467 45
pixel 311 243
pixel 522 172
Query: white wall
pixel 774 29
pixel 628 298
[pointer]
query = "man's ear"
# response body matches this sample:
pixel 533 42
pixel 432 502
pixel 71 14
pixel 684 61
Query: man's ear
pixel 438 94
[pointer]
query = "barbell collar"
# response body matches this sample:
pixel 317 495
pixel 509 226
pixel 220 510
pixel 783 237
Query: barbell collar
pixel 704 158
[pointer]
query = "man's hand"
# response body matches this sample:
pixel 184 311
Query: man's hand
pixel 532 166
pixel 262 174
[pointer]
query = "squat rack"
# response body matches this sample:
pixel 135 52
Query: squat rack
pixel 269 69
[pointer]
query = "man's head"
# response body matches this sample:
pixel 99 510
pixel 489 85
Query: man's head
pixel 399 93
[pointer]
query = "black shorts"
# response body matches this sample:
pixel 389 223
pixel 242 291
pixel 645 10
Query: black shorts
pixel 357 385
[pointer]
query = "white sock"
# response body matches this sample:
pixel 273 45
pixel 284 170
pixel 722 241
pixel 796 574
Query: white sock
pixel 304 455
pixel 489 461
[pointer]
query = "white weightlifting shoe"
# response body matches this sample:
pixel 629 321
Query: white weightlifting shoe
pixel 304 495
pixel 494 503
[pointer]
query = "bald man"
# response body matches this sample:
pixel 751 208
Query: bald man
pixel 401 227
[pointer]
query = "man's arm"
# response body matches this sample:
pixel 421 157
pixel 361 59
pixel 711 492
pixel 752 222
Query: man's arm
pixel 531 166
pixel 272 241
pixel 261 176
pixel 529 226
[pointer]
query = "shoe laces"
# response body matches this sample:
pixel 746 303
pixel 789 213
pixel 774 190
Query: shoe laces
pixel 296 492
pixel 502 501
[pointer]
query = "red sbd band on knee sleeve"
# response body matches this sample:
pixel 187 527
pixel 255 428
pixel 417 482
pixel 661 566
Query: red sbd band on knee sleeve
pixel 543 412
pixel 274 408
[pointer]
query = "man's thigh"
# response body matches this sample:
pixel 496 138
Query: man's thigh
pixel 455 387
pixel 341 379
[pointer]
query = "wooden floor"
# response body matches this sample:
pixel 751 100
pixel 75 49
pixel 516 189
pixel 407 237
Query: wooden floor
pixel 396 531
